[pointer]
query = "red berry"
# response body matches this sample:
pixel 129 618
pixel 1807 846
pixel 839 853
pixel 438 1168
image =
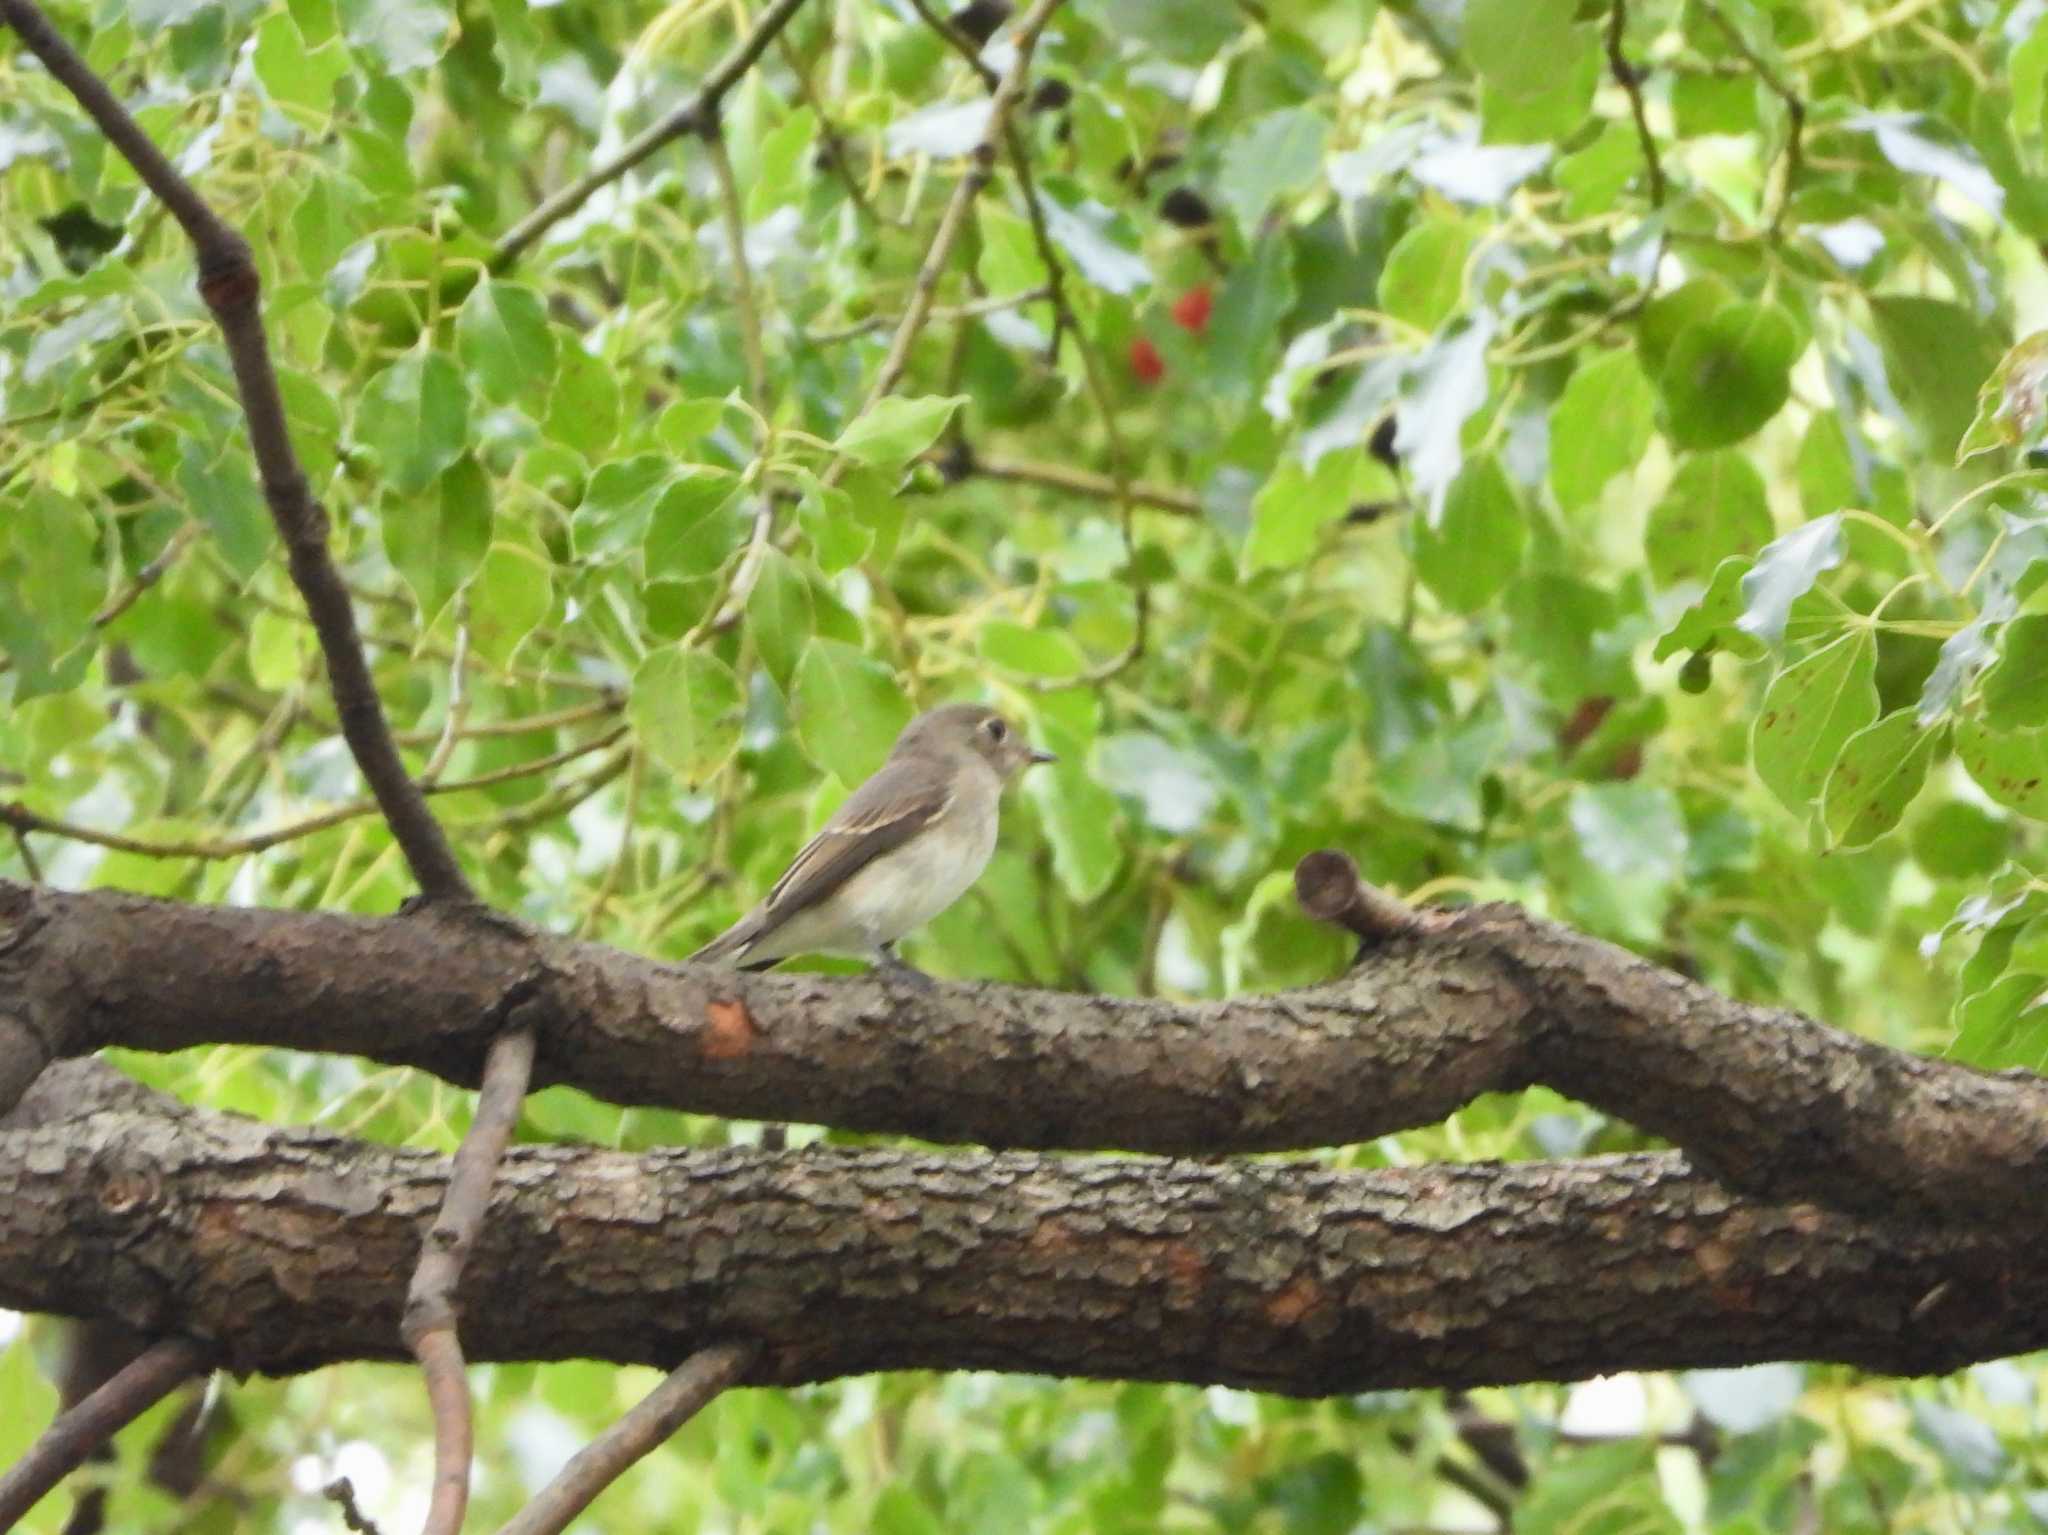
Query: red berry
pixel 1146 361
pixel 1191 309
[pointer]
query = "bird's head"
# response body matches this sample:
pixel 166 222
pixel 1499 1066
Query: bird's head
pixel 975 729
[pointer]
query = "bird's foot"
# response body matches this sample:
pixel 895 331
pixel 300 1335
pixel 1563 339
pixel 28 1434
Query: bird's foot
pixel 888 964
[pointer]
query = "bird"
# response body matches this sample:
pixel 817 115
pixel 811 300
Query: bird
pixel 903 847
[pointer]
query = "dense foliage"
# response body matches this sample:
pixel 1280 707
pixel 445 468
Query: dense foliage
pixel 1531 445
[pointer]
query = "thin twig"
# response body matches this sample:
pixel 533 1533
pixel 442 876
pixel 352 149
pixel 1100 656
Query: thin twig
pixel 830 138
pixel 1631 81
pixel 458 701
pixel 1080 482
pixel 958 42
pixel 28 855
pixel 975 310
pixel 229 284
pixel 430 1323
pixel 648 1423
pixel 733 216
pixel 980 168
pixel 66 1444
pixel 690 117
pixel 22 819
pixel 148 575
pixel 343 1492
pixel 573 714
pixel 1795 109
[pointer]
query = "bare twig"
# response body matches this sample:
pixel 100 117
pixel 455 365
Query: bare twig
pixel 1080 482
pixel 148 575
pixel 429 1326
pixel 960 44
pixel 229 284
pixel 343 1492
pixel 1328 885
pixel 981 166
pixel 691 117
pixel 1630 79
pixel 22 819
pixel 29 861
pixel 975 310
pixel 65 1444
pixel 648 1423
pixel 1795 109
pixel 830 138
pixel 733 216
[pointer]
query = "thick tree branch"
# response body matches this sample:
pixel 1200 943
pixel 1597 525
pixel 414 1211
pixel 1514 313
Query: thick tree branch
pixel 286 1250
pixel 696 115
pixel 232 290
pixel 66 1444
pixel 1488 999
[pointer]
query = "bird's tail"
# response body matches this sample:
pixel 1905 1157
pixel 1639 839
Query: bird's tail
pixel 731 946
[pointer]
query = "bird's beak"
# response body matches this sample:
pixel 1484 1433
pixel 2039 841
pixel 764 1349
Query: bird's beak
pixel 1035 755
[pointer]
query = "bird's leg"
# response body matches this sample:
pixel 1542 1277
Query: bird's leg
pixel 888 963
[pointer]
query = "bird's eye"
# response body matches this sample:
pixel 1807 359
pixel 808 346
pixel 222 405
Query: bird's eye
pixel 997 730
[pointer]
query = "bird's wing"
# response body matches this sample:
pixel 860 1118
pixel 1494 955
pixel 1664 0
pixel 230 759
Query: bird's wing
pixel 877 818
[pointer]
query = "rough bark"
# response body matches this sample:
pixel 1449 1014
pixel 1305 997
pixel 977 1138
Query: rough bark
pixel 288 1250
pixel 1483 1000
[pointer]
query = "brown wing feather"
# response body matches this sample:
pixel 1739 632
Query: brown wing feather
pixel 877 818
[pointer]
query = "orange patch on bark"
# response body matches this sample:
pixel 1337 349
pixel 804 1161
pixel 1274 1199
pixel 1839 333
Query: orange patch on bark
pixel 731 1034
pixel 1286 1307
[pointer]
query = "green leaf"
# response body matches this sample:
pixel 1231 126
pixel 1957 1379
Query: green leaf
pixel 1711 622
pixel 1469 557
pixel 437 548
pixel 1715 506
pixel 1728 374
pixel 1296 503
pixel 1599 427
pixel 780 614
pixel 1809 712
pixel 415 416
pixel 1878 774
pixel 510 596
pixel 294 74
pixel 2012 407
pixel 1186 31
pixel 31 1404
pixel 1269 159
pixel 1425 272
pixel 1601 1489
pixel 1032 652
pixel 1631 843
pixel 2009 765
pixel 686 708
pixel 583 412
pixel 2005 1025
pixel 2015 693
pixel 402 35
pixel 1784 572
pixel 1516 44
pixel 502 333
pixel 1958 840
pixel 221 487
pixel 618 502
pixel 896 429
pixel 848 709
pixel 696 525
pixel 1936 355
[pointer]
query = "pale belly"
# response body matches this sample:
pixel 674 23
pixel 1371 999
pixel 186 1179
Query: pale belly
pixel 896 894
